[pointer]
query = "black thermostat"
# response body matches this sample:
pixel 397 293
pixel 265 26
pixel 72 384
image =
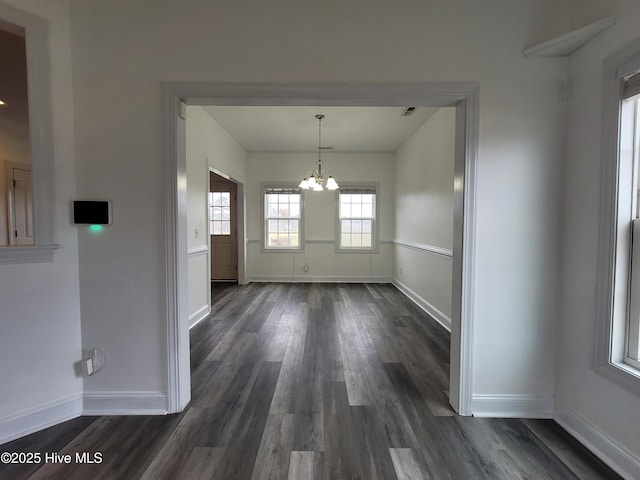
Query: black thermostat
pixel 91 212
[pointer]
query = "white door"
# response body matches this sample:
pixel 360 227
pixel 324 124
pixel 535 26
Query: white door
pixel 20 206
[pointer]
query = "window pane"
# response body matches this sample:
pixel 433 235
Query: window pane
pixel 366 226
pixel 356 210
pixel 345 240
pixel 366 240
pixel 217 228
pixel 283 225
pixel 283 210
pixel 225 213
pixel 226 227
pixel 346 226
pixel 345 210
pixel 295 210
pixel 367 210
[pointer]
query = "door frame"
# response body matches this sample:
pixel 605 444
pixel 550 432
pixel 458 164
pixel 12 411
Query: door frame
pixel 240 247
pixel 463 96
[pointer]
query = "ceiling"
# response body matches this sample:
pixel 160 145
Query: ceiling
pixel 295 129
pixel 13 74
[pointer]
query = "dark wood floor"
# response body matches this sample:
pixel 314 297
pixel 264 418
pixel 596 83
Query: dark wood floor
pixel 313 381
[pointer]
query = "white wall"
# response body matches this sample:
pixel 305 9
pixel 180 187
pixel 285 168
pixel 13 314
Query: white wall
pixel 584 399
pixel 40 311
pixel 124 50
pixel 424 214
pixel 208 146
pixel 320 218
pixel 14 147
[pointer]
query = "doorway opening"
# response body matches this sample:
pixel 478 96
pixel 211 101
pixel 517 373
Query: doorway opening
pixel 464 97
pixel 223 229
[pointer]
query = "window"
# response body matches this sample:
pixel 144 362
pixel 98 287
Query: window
pixel 219 213
pixel 282 218
pixel 629 148
pixel 357 218
pixel 618 289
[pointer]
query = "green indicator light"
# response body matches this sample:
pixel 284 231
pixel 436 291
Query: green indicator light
pixel 96 228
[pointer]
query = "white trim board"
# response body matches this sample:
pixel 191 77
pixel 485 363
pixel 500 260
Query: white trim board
pixel 423 247
pixel 124 403
pixel 619 458
pixel 198 250
pixel 424 304
pixel 566 44
pixel 38 418
pixel 512 406
pixel 199 315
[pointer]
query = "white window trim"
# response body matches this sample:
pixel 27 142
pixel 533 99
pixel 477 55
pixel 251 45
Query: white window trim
pixel 612 275
pixel 263 236
pixel 40 139
pixel 375 247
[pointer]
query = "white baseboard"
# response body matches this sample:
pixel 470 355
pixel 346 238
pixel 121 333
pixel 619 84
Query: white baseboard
pixel 199 315
pixel 618 457
pixel 36 419
pixel 124 403
pixel 512 406
pixel 439 317
pixel 319 279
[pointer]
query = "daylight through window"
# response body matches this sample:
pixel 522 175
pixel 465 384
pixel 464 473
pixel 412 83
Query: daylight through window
pixel 357 214
pixel 283 214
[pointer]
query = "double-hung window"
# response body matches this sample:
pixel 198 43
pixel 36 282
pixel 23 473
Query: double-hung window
pixel 629 156
pixel 618 299
pixel 282 218
pixel 357 212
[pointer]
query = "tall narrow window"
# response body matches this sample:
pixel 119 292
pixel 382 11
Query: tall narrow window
pixel 629 155
pixel 357 218
pixel 617 336
pixel 282 218
pixel 219 213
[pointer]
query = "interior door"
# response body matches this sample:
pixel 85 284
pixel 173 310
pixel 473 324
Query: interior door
pixel 21 207
pixel 222 228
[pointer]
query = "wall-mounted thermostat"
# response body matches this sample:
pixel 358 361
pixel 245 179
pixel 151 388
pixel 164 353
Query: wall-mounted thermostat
pixel 92 212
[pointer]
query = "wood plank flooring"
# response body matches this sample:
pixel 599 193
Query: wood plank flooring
pixel 313 381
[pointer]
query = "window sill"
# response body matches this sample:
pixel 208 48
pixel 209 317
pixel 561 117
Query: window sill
pixel 27 254
pixel 282 250
pixel 622 374
pixel 356 250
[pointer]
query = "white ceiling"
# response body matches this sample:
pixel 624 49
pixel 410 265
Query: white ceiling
pixel 295 129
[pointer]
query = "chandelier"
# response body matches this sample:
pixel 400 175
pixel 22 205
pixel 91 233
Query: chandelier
pixel 319 179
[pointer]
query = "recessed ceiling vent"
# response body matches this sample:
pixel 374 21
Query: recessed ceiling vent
pixel 408 111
